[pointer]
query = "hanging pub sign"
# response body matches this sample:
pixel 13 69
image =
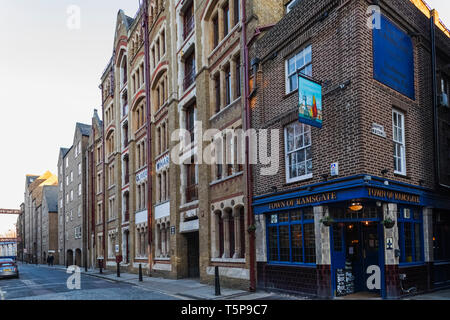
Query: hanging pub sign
pixel 310 101
pixel 393 58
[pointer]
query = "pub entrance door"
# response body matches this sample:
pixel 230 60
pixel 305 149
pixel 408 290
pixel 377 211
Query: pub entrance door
pixel 356 256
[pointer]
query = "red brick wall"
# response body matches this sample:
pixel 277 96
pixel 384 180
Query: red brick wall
pixel 342 51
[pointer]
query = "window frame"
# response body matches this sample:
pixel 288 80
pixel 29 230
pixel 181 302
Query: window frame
pixel 289 223
pixel 307 48
pixel 401 220
pixel 402 157
pixel 306 176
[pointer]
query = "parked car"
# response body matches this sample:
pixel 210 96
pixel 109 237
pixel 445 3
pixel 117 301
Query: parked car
pixel 8 268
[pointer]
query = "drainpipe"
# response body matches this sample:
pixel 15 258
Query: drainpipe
pixel 93 202
pixel 104 183
pixel 250 218
pixel 145 26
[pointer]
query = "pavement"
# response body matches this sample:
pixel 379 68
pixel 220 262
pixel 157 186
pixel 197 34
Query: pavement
pixel 44 283
pixel 183 289
pixel 437 295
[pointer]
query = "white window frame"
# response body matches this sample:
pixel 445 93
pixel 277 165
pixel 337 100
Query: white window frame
pixel 396 129
pixel 287 153
pixel 79 189
pixel 79 169
pixel 307 49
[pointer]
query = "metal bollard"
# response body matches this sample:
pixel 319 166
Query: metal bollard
pixel 217 282
pixel 118 269
pixel 140 272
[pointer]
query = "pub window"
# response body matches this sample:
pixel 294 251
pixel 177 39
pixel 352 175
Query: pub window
pixel 411 235
pixel 398 127
pixel 291 237
pixel 301 62
pixel 441 236
pixel 298 152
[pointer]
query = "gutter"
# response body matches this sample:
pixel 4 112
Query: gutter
pixel 250 217
pixel 145 26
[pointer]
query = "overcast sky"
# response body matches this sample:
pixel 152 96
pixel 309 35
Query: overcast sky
pixel 49 80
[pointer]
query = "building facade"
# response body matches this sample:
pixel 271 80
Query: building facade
pixel 190 216
pixel 72 200
pixel 359 203
pixel 32 215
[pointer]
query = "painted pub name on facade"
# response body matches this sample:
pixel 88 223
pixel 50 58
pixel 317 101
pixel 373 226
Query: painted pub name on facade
pixel 329 196
pixel 393 195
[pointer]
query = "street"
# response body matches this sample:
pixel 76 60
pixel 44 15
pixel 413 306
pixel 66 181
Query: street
pixel 44 283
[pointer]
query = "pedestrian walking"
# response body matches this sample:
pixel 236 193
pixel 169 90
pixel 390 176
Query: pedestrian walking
pixel 52 259
pixel 48 261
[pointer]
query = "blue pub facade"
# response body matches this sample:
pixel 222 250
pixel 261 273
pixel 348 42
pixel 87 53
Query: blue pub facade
pixel 381 238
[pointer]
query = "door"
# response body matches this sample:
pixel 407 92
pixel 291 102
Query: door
pixel 193 255
pixel 370 251
pixel 338 256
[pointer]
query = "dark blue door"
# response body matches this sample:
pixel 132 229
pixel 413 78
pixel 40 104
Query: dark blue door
pixel 338 256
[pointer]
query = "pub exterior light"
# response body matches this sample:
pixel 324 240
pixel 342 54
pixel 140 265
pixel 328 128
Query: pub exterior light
pixel 355 206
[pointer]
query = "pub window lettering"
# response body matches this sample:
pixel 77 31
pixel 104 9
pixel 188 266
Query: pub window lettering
pixel 301 62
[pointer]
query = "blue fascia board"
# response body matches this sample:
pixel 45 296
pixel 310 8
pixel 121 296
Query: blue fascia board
pixel 352 188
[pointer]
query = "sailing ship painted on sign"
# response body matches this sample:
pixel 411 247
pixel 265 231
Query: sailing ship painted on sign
pixel 310 104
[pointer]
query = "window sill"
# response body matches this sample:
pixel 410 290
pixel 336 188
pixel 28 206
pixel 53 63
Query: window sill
pixel 224 109
pixel 228 260
pixel 299 179
pixel 234 175
pixel 291 264
pixel 402 175
pixel 189 204
pixel 288 94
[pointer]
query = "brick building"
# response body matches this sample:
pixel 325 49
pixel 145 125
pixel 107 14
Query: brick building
pixel 72 198
pixel 31 220
pixel 368 156
pixel 196 219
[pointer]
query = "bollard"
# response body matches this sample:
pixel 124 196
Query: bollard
pixel 118 269
pixel 140 272
pixel 217 282
pixel 100 266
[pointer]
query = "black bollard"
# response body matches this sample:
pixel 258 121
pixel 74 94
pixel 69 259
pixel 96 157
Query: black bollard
pixel 118 269
pixel 140 272
pixel 217 282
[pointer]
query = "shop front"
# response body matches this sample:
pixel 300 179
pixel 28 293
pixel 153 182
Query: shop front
pixel 360 237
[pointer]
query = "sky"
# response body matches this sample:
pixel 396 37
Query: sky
pixel 49 80
pixel 50 73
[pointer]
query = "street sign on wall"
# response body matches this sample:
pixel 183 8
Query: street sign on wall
pixel 393 58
